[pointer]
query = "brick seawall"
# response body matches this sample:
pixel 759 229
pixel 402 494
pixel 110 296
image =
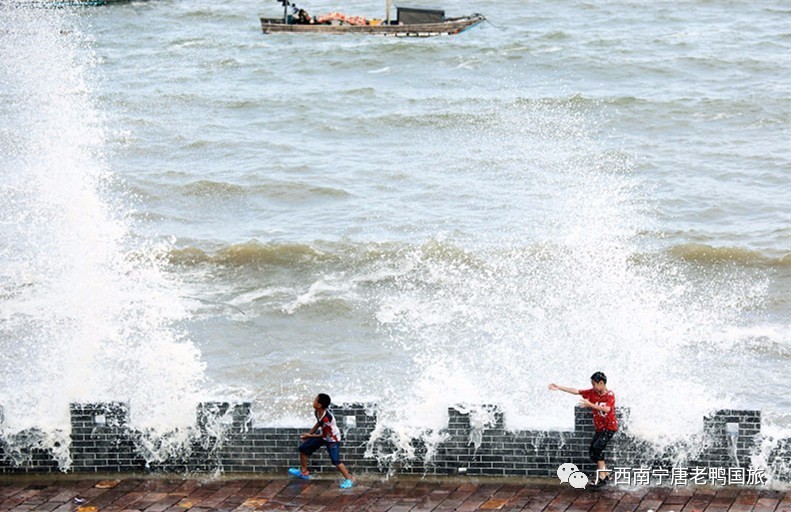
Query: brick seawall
pixel 224 439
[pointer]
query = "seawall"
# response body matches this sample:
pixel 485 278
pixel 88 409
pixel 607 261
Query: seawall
pixel 729 450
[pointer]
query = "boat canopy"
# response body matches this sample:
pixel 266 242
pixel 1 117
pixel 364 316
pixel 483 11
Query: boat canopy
pixel 411 15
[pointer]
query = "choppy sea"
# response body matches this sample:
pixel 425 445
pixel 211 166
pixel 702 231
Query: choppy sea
pixel 193 210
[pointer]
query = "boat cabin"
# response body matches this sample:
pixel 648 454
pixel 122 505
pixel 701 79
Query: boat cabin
pixel 413 15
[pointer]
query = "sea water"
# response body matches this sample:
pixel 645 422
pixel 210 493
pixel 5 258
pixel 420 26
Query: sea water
pixel 192 210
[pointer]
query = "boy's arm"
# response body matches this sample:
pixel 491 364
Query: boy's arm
pixel 597 407
pixel 312 432
pixel 602 406
pixel 555 387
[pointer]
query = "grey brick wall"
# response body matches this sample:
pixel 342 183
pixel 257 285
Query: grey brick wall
pixel 224 439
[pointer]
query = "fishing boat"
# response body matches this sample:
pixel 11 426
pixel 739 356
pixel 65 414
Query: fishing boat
pixel 409 22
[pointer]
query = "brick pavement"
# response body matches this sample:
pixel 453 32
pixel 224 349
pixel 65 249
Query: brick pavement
pixel 126 493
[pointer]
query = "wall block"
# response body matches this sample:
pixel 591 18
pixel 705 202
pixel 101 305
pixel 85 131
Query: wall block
pixel 225 439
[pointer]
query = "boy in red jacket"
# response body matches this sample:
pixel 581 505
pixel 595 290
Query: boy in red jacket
pixel 601 401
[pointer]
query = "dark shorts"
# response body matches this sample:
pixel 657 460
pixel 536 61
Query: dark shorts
pixel 599 443
pixel 309 447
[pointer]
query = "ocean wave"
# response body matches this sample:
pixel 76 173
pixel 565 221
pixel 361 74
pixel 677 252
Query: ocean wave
pixel 361 92
pixel 205 188
pixel 556 35
pixel 367 264
pixel 480 112
pixel 227 63
pixel 710 255
pixel 573 101
pixel 192 42
pixel 435 120
pixel 275 190
pixel 763 109
pixel 352 254
pixel 240 104
pixel 250 253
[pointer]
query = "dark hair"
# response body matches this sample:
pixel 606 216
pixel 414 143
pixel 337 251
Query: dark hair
pixel 599 377
pixel 324 400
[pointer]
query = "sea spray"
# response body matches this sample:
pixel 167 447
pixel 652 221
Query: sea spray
pixel 435 305
pixel 558 298
pixel 87 315
pixel 470 318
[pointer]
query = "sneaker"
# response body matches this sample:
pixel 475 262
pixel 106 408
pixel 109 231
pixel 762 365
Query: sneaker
pixel 298 473
pixel 347 484
pixel 602 481
pixel 599 480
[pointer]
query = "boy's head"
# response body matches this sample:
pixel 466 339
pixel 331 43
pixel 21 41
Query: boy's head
pixel 599 381
pixel 323 400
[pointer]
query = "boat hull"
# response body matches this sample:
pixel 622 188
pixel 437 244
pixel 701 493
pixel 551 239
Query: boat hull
pixel 448 27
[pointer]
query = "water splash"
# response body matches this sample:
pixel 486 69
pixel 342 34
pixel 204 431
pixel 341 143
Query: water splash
pixel 87 315
pixel 480 317
pixel 562 297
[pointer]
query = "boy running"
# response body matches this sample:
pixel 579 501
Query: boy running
pixel 324 433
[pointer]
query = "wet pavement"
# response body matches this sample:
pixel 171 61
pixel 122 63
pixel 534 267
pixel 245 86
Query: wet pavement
pixel 79 493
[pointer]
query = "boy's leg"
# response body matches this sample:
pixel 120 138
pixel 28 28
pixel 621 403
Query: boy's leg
pixel 598 444
pixel 303 463
pixel 345 472
pixel 593 453
pixel 600 472
pixel 306 449
pixel 334 451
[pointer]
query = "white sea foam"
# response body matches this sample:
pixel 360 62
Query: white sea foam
pixel 93 318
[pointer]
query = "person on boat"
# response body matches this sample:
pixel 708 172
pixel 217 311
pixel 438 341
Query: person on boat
pixel 303 18
pixel 300 16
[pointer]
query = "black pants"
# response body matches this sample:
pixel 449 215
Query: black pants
pixel 599 443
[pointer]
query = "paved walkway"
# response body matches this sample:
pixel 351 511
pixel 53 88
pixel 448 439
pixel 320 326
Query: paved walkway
pixel 77 493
